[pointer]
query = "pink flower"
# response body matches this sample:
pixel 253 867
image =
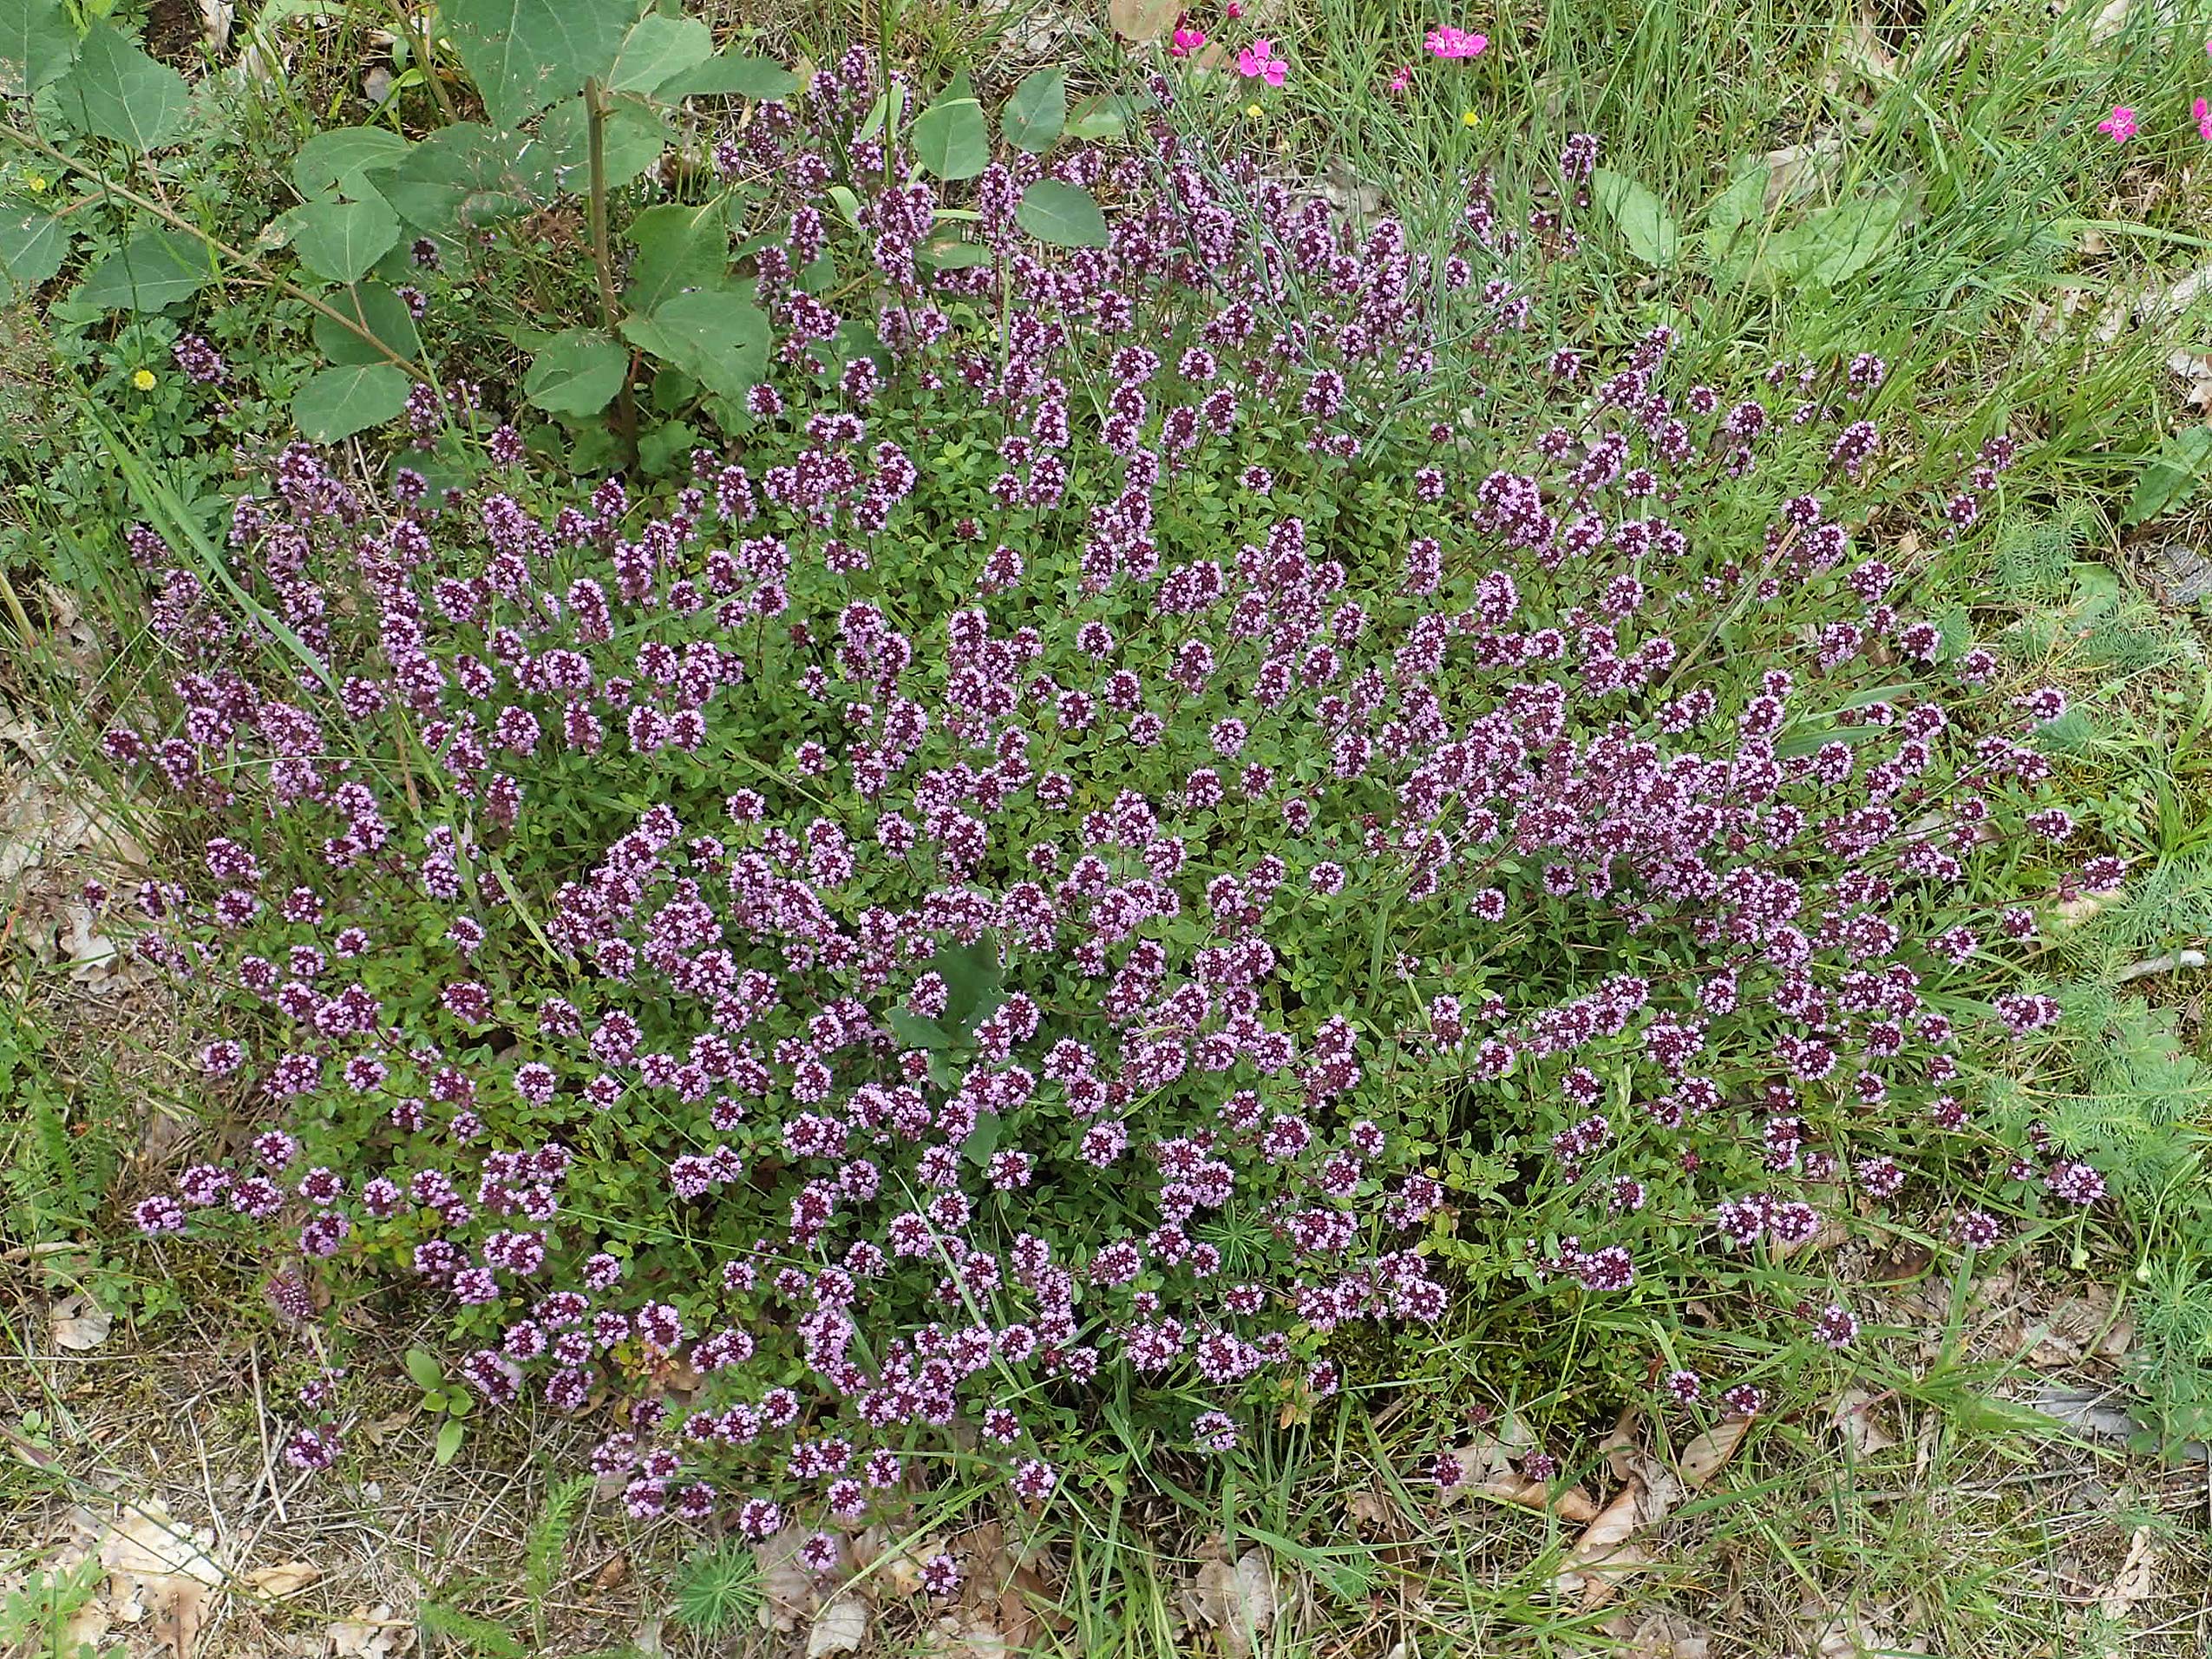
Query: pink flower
pixel 2202 111
pixel 1444 41
pixel 1258 62
pixel 1402 79
pixel 2120 126
pixel 1186 40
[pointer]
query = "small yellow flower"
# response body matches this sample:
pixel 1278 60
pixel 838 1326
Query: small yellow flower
pixel 1254 111
pixel 143 380
pixel 1468 118
pixel 36 182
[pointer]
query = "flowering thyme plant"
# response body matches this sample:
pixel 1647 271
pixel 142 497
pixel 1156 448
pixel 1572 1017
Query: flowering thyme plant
pixel 1000 891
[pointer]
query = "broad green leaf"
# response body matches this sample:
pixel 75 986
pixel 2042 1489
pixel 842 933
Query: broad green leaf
pixel 666 447
pixel 1641 217
pixel 577 374
pixel 116 91
pixel 155 268
pixel 343 157
pixel 917 1033
pixel 678 248
pixel 954 255
pixel 1105 116
pixel 1036 112
pixel 2173 475
pixel 1837 243
pixel 460 177
pixel 659 49
pixel 975 983
pixel 338 402
pixel 449 1440
pixel 423 1369
pixel 1062 214
pixel 718 339
pixel 726 77
pixel 32 244
pixel 848 205
pixel 340 240
pixel 634 135
pixel 1735 218
pixel 526 55
pixel 949 137
pixel 376 309
pixel 36 45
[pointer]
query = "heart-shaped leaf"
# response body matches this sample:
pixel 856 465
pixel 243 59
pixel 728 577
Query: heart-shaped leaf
pixel 528 55
pixel 658 48
pixel 153 269
pixel 1064 215
pixel 342 158
pixel 718 339
pixel 1642 219
pixel 1036 113
pixel 116 91
pixel 577 374
pixel 342 239
pixel 338 402
pixel 36 45
pixel 679 246
pixel 727 76
pixel 32 244
pixel 949 137
pixel 378 309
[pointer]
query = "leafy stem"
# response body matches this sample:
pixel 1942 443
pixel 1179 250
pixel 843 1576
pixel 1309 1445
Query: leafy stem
pixel 176 221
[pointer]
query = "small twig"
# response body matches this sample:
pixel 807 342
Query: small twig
pixel 625 407
pixel 2166 964
pixel 268 1457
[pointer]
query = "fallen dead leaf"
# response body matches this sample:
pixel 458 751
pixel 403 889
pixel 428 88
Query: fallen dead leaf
pixel 1705 1457
pixel 1853 1417
pixel 1657 1635
pixel 371 1633
pixel 215 16
pixel 1142 20
pixel 1238 1599
pixel 285 1578
pixel 157 1567
pixel 841 1627
pixel 789 1591
pixel 2132 1585
pixel 1370 1512
pixel 78 1323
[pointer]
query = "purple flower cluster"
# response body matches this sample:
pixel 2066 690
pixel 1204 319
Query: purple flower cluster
pixel 964 1005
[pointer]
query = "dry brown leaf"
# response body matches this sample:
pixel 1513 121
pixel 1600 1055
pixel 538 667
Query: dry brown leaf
pixel 78 1323
pixel 1142 20
pixel 1619 1441
pixel 1657 1635
pixel 1571 1505
pixel 371 1633
pixel 215 16
pixel 974 1637
pixel 1705 1457
pixel 156 1566
pixel 841 1627
pixel 788 1592
pixel 1020 1614
pixel 2132 1586
pixel 1371 1511
pixel 285 1578
pixel 1853 1417
pixel 1237 1599
pixel 1863 50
